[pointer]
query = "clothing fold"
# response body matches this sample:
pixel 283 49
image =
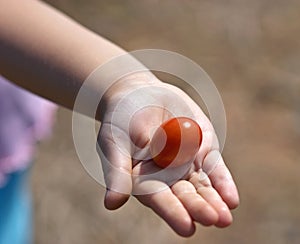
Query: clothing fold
pixel 24 120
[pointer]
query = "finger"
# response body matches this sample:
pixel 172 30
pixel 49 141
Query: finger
pixel 203 187
pixel 200 210
pixel 114 200
pixel 168 207
pixel 214 199
pixel 116 165
pixel 221 178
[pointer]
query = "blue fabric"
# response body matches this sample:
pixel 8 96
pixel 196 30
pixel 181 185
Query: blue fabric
pixel 16 210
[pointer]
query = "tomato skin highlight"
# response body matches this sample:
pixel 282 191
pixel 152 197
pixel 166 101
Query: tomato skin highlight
pixel 176 142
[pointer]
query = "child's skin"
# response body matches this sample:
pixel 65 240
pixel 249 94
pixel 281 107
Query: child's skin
pixel 49 54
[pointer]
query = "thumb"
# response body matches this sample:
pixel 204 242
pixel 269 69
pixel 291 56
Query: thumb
pixel 116 165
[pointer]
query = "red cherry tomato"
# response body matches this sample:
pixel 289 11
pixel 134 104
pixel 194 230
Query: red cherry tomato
pixel 176 142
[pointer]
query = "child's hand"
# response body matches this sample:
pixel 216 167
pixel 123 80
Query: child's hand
pixel 188 198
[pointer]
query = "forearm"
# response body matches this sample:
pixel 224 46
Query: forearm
pixel 46 52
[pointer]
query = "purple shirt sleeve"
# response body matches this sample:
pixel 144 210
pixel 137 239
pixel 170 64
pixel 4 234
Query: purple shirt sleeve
pixel 24 120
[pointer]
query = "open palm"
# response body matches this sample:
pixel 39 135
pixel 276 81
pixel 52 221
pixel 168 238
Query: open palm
pixel 202 191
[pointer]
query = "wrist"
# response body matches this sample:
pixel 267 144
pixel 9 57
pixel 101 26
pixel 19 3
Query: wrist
pixel 124 86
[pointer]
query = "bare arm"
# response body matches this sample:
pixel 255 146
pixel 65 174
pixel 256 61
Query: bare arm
pixel 46 52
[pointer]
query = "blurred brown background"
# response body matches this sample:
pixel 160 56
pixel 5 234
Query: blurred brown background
pixel 251 49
